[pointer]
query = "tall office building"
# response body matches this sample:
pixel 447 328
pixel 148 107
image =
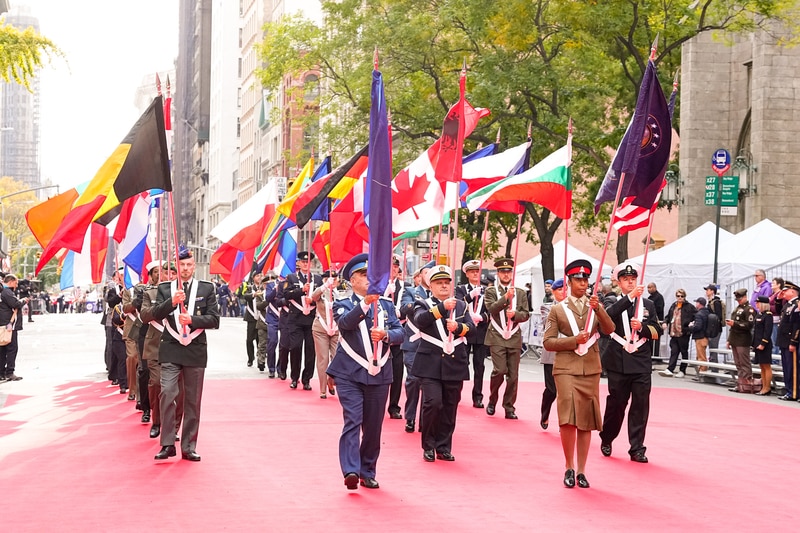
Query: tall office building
pixel 19 117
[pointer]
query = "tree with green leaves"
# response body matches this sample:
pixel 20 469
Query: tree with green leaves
pixel 536 62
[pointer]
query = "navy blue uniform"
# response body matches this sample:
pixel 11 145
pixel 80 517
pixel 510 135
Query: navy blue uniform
pixel 362 395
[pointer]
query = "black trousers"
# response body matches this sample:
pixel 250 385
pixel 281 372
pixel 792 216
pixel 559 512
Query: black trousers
pixel 622 387
pixel 252 341
pixel 678 346
pixel 397 383
pixel 118 369
pixel 479 353
pixel 549 392
pixel 302 348
pixel 439 408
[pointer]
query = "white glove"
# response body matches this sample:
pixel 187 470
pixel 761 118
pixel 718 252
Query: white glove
pixel 475 293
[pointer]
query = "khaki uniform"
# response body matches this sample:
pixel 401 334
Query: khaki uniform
pixel 505 352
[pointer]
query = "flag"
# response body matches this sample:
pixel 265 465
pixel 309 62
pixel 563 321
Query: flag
pixel 43 219
pixel 322 245
pixel 334 185
pixel 548 184
pixel 243 229
pixel 84 268
pixel 301 182
pixel 378 197
pixel 241 267
pixel 448 165
pixel 138 164
pixel 644 149
pixel 349 232
pixel 628 216
pixel 482 170
pixel 418 201
pixel 133 249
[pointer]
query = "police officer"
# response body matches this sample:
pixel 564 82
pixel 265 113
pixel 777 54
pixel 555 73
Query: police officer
pixel 508 308
pixel 297 291
pixel 628 362
pixel 472 293
pixel 441 362
pixel 362 377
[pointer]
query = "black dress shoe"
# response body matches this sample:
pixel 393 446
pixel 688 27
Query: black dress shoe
pixel 351 481
pixel 511 415
pixel 786 398
pixel 190 456
pixel 282 375
pixel 583 482
pixel 139 406
pixel 477 404
pixel 271 375
pixel 146 416
pixel 490 409
pixel 293 384
pixel 544 423
pixel 249 363
pixel 395 416
pixel 261 368
pixel 445 456
pixel 605 449
pixel 370 483
pixel 639 457
pixel 155 431
pixel 166 452
pixel 409 426
pixel 569 479
pixel 306 386
pixel 332 392
pixel 429 456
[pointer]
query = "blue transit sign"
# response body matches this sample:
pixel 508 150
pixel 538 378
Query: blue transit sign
pixel 721 159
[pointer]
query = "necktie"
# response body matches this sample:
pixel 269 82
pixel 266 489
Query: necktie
pixel 186 287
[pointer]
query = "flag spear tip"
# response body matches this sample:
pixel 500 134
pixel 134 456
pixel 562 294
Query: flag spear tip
pixel 497 138
pixel 375 58
pixel 675 79
pixel 530 129
pixel 569 126
pixel 654 48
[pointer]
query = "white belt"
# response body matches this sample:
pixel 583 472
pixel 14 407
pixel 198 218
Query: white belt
pixel 502 330
pixel 185 340
pixel 634 343
pixel 305 308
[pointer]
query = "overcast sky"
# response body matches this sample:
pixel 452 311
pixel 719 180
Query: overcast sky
pixel 87 102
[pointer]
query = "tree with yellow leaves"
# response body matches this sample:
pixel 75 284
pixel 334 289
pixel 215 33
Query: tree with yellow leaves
pixel 22 52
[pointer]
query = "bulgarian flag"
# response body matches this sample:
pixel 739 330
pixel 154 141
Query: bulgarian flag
pixel 548 184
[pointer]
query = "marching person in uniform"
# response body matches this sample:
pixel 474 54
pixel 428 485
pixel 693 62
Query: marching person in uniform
pixel 297 290
pixel 361 375
pixel 273 321
pixel 441 363
pixel 190 307
pixel 577 367
pixel 550 393
pixel 251 317
pixel 326 334
pixel 472 293
pixel 395 290
pixel 508 308
pixel 628 363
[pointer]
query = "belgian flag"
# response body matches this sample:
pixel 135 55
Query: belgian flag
pixel 140 163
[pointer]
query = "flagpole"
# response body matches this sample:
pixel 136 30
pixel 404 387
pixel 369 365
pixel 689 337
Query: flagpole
pixel 177 256
pixel 483 241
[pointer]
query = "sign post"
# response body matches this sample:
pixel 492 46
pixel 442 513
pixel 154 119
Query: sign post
pixel 720 164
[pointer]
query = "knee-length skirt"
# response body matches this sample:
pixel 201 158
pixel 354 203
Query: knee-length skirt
pixel 579 401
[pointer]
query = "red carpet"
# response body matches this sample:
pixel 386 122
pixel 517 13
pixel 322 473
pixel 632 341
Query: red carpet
pixel 81 461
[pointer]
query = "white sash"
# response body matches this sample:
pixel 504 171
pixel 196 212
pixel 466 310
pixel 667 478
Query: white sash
pixel 190 335
pixel 327 321
pixel 305 308
pixel 474 308
pixel 367 360
pixel 582 349
pixel 503 328
pixel 629 343
pixel 158 325
pixel 443 341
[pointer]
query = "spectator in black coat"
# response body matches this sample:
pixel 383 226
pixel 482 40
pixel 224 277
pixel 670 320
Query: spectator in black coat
pixel 678 318
pixel 698 327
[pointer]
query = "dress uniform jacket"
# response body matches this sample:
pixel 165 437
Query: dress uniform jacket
pixel 349 317
pixel 431 361
pixel 205 316
pixel 616 358
pixel 477 334
pixel 497 305
pixel 153 336
pixel 567 361
pixel 293 292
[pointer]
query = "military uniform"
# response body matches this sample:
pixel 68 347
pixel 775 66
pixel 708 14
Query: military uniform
pixel 789 335
pixel 325 331
pixel 395 291
pixel 740 337
pixel 474 296
pixel 130 334
pixel 273 315
pixel 184 352
pixel 442 365
pixel 262 329
pixel 299 325
pixel 628 364
pixel 251 319
pixel 362 379
pixel 504 339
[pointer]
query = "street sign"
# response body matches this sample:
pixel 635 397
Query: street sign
pixel 425 257
pixel 730 193
pixel 721 161
pixel 428 244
